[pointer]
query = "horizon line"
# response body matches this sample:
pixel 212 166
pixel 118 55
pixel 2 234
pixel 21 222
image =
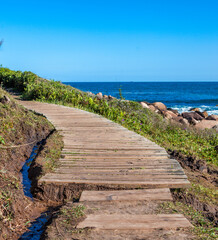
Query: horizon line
pixel 181 81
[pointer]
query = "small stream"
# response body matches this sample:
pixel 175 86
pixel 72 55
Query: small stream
pixel 37 227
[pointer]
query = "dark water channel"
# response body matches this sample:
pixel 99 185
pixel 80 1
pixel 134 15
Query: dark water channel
pixel 37 227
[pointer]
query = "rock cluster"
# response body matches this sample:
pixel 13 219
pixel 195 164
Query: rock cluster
pixel 195 117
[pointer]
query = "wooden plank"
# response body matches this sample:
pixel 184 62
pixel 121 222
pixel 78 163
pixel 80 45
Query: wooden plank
pixel 122 160
pixel 73 171
pixel 71 156
pixel 140 178
pixel 134 222
pixel 119 167
pixel 182 183
pixel 127 195
pixel 117 154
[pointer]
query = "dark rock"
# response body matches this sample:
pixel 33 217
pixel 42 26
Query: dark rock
pixel 215 127
pixel 192 121
pixel 212 117
pixel 110 97
pixel 190 115
pixel 5 100
pixel 194 109
pixel 203 114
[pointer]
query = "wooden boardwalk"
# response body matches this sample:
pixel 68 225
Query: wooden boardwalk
pixel 99 151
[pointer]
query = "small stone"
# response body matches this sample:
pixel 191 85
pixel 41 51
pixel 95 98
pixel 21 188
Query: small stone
pixel 205 114
pixel 172 114
pixel 99 96
pixel 177 118
pixel 212 117
pixel 173 110
pixel 105 96
pixel 184 121
pixel 152 108
pixel 203 169
pixel 111 97
pixel 160 106
pixel 144 105
pixel 5 99
pixel 194 109
pixel 192 121
pixel 90 94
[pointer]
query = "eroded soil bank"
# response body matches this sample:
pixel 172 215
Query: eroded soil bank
pixel 20 130
pixel 203 194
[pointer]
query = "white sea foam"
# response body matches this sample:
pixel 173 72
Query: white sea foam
pixel 210 109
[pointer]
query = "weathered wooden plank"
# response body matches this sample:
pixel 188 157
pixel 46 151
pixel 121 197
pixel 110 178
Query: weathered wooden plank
pixel 127 195
pixel 93 176
pixel 121 160
pixel 72 156
pixel 119 167
pixel 134 222
pixel 181 183
pixel 120 172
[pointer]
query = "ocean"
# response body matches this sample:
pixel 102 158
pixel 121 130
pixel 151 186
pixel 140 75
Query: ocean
pixel 178 95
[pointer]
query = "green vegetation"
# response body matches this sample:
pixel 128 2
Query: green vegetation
pixel 205 194
pixel 18 128
pixel 73 212
pixel 6 196
pixel 50 154
pixel 70 216
pixel 190 142
pixel 12 125
pixel 203 228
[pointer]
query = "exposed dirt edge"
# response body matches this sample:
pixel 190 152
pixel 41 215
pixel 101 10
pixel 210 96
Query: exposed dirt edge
pixel 191 163
pixel 203 171
pixel 72 191
pixel 207 210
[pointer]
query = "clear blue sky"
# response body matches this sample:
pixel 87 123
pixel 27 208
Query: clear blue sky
pixel 112 40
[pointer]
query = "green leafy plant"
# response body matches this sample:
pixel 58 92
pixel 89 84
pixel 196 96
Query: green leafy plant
pixel 2 141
